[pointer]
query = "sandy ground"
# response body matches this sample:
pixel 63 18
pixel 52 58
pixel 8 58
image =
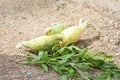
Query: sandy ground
pixel 25 19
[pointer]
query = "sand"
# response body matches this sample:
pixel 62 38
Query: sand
pixel 25 19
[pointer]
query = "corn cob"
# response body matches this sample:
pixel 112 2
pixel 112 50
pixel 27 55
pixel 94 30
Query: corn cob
pixel 72 34
pixel 42 43
pixel 55 29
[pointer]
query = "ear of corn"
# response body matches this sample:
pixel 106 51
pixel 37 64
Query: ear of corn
pixel 54 35
pixel 72 34
pixel 55 29
pixel 43 42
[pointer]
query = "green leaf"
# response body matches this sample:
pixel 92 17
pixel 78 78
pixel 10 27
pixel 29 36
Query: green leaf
pixel 85 75
pixel 85 50
pixel 84 54
pixel 71 72
pixel 103 76
pixel 43 54
pixel 72 64
pixel 64 77
pixel 115 76
pixel 108 78
pixel 97 63
pixel 118 74
pixel 62 61
pixel 29 58
pixel 85 66
pixel 40 54
pixel 36 59
pixel 70 48
pixel 65 58
pixel 61 50
pixel 76 48
pixel 63 68
pixel 56 68
pixel 108 58
pixel 45 67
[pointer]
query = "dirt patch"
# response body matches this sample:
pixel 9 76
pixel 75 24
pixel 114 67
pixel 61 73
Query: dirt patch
pixel 23 20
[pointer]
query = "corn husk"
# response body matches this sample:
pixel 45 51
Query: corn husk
pixel 42 43
pixel 72 34
pixel 55 29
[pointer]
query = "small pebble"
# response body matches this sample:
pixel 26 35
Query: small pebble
pixel 117 54
pixel 19 46
pixel 30 75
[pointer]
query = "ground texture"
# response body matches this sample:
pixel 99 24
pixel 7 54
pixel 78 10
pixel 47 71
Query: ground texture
pixel 25 19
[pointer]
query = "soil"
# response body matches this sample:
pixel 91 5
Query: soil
pixel 25 19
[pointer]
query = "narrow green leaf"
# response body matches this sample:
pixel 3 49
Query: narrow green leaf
pixel 118 74
pixel 56 68
pixel 84 54
pixel 70 48
pixel 108 78
pixel 85 50
pixel 45 67
pixel 40 54
pixel 63 68
pixel 85 66
pixel 115 76
pixel 71 72
pixel 29 58
pixel 64 77
pixel 103 76
pixel 85 75
pixel 67 56
pixel 61 50
pixel 76 48
pixel 62 61
pixel 43 54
